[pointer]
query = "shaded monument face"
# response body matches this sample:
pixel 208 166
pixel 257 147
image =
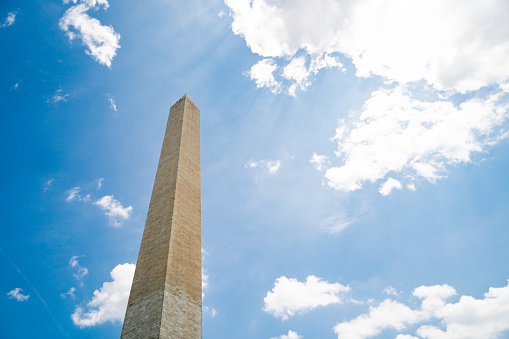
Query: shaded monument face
pixel 165 299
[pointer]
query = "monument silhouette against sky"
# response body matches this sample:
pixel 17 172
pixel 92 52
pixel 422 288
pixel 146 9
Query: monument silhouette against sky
pixel 166 294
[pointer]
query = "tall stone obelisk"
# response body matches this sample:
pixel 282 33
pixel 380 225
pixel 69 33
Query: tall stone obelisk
pixel 166 295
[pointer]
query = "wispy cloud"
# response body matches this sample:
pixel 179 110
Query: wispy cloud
pixel 100 183
pixel 113 106
pixel 58 97
pixel 69 293
pixel 74 194
pixel 48 184
pixel 390 291
pixel 116 213
pixel 290 296
pixel 16 294
pixel 9 21
pixel 271 166
pixel 102 41
pixel 109 302
pixel 337 223
pixel 80 270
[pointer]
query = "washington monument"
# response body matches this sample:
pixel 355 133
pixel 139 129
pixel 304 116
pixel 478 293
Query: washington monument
pixel 166 296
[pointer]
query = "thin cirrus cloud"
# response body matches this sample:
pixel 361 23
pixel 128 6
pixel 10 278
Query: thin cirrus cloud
pixel 270 166
pixel 80 270
pixel 290 296
pixel 109 302
pixel 102 41
pixel 463 51
pixel 469 318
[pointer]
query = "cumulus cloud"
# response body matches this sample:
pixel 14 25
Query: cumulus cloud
pixel 464 49
pixel 290 296
pixel 469 318
pixel 114 210
pixel 102 41
pixel 9 21
pixel 387 187
pixel 16 294
pixel 291 335
pixel 110 301
pixel 262 74
pixel 396 133
pixel 80 270
pixel 271 166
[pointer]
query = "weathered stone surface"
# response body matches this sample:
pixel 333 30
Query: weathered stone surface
pixel 165 300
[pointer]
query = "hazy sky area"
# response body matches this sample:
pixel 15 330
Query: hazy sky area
pixel 354 159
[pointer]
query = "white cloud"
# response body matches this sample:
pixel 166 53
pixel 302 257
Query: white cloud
pixel 210 311
pixel 9 21
pixel 291 335
pixel 69 293
pixel 290 296
pixel 390 291
pixel 392 314
pixel 271 166
pixel 387 187
pixel 320 162
pixel 16 294
pixel 337 223
pixel 113 106
pixel 114 210
pixel 469 318
pixel 391 38
pixel 204 282
pixel 80 270
pixel 100 183
pixel 110 301
pixel 297 71
pixel 102 41
pixel 57 97
pixel 48 185
pixel 74 194
pixel 463 50
pixel 398 134
pixel 262 74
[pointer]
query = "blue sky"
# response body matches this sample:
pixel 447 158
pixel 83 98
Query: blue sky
pixel 354 163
